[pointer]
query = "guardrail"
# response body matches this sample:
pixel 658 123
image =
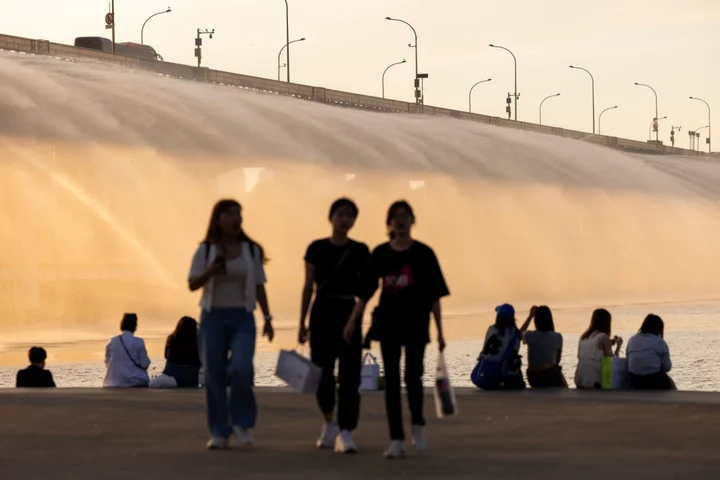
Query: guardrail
pixel 319 94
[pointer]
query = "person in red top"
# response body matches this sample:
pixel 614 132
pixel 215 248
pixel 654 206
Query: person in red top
pixel 412 286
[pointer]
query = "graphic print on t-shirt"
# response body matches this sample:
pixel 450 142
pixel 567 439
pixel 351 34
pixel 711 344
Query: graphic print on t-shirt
pixel 399 280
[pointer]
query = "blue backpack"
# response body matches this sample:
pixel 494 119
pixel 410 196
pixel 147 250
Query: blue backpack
pixel 489 374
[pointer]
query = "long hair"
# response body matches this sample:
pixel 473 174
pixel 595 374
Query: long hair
pixel 544 319
pixel 653 325
pixel 214 234
pixel 185 333
pixel 600 322
pixel 392 211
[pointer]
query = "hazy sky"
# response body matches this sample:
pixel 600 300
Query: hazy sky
pixel 672 45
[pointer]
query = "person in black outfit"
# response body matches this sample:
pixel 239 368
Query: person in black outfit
pixel 412 286
pixel 332 272
pixel 35 376
pixel 181 353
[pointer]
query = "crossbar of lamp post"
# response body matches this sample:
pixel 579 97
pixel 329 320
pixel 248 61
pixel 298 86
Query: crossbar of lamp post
pixel 600 118
pixel 142 30
pixel 541 104
pixel 287 64
pixel 471 90
pixel 383 75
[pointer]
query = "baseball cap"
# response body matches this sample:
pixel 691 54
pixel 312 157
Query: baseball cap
pixel 505 310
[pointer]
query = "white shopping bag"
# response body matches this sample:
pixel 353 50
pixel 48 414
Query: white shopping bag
pixel 620 374
pixel 163 381
pixel 370 373
pixel 445 403
pixel 298 372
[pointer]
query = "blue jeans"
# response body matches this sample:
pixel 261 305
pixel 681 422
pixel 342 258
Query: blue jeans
pixel 223 330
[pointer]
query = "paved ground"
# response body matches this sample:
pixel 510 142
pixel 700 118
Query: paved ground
pixel 96 434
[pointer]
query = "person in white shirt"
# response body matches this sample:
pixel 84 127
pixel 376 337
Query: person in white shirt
pixel 649 357
pixel 126 358
pixel 595 344
pixel 228 267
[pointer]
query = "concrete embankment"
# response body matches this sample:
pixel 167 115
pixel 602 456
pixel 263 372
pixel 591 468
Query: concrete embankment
pixel 74 434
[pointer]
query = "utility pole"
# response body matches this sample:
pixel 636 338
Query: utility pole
pixel 198 43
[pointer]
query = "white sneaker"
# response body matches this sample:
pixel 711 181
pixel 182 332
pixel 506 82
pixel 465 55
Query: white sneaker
pixel 327 436
pixel 217 443
pixel 344 443
pixel 396 450
pixel 244 436
pixel 419 438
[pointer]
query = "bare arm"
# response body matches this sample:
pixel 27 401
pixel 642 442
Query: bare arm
pixel 437 314
pixel 307 293
pixel 199 281
pixel 524 327
pixel 606 345
pixel 262 300
pixel 355 317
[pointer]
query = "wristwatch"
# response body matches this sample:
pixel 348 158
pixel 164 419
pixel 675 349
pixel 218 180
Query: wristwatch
pixel 268 318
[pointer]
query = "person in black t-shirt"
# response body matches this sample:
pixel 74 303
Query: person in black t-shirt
pixel 35 376
pixel 412 286
pixel 332 272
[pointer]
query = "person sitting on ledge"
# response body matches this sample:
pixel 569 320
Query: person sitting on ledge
pixel 126 357
pixel 544 350
pixel 499 366
pixel 181 352
pixel 649 357
pixel 35 376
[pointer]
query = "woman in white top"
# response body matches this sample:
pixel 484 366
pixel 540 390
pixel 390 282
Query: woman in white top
pixel 126 358
pixel 595 344
pixel 649 357
pixel 228 266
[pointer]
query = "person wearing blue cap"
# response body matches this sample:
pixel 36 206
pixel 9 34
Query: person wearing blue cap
pixel 499 366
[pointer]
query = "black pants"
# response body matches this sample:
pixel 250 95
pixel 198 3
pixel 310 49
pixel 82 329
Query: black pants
pixel 655 381
pixel 414 365
pixel 547 378
pixel 327 347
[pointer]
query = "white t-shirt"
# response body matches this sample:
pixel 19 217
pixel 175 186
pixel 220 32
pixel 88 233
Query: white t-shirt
pixel 237 287
pixel 121 369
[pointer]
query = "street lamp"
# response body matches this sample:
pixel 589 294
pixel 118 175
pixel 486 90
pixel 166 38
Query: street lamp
pixel 514 60
pixel 417 80
pixel 592 79
pixel 383 75
pixel 697 134
pixel 471 90
pixel 709 123
pixel 142 30
pixel 287 45
pixel 657 132
pixel 541 104
pixel 287 39
pixel 600 117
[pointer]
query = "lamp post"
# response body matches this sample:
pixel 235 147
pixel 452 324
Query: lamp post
pixel 287 39
pixel 471 90
pixel 287 45
pixel 142 30
pixel 514 60
pixel 600 117
pixel 709 123
pixel 383 75
pixel 657 132
pixel 592 79
pixel 697 135
pixel 417 79
pixel 541 104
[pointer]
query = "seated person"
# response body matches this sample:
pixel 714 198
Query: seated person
pixel 35 376
pixel 594 346
pixel 649 357
pixel 181 352
pixel 126 357
pixel 499 366
pixel 544 350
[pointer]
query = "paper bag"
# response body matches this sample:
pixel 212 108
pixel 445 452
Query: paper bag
pixel 298 372
pixel 445 403
pixel 370 373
